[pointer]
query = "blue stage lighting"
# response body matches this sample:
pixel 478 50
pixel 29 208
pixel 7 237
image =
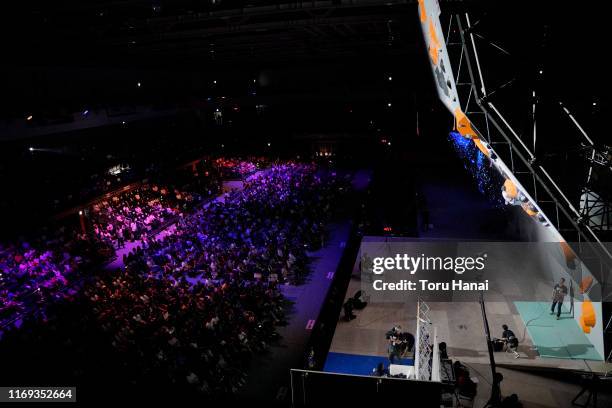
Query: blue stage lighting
pixel 487 179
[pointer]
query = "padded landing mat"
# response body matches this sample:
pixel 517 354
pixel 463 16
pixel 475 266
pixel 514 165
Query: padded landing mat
pixel 555 338
pixel 356 364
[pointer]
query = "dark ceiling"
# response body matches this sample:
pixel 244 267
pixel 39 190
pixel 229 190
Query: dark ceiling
pixel 94 51
pixel 211 33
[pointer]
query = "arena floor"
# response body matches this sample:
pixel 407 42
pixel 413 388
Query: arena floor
pixel 459 324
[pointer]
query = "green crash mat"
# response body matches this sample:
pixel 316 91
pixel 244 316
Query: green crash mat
pixel 555 338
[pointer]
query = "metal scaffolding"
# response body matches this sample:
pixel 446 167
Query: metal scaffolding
pixel 479 104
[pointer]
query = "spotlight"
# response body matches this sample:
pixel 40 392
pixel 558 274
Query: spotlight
pixel 390 78
pixel 80 212
pixel 215 82
pixel 138 84
pixel 31 149
pixel 85 112
pixel 389 104
pixel 269 144
pixel 541 72
pixel 388 143
pixel 30 117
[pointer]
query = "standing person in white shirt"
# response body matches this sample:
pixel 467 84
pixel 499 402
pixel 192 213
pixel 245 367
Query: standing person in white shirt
pixel 558 295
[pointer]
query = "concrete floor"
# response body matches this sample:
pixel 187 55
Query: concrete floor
pixel 534 391
pixel 460 324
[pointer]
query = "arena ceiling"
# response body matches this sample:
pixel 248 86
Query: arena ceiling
pixel 44 39
pixel 219 32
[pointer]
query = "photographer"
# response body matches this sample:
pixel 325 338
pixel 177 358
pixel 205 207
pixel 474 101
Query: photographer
pixel 510 340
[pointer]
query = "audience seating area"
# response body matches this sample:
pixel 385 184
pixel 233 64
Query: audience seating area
pixel 190 306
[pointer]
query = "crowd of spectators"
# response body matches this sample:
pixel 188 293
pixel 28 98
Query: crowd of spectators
pixel 196 304
pixel 130 215
pixel 200 334
pixel 236 168
pixel 193 305
pixel 39 271
pixel 48 265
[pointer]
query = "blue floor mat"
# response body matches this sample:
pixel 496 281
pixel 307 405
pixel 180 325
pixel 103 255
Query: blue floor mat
pixel 357 364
